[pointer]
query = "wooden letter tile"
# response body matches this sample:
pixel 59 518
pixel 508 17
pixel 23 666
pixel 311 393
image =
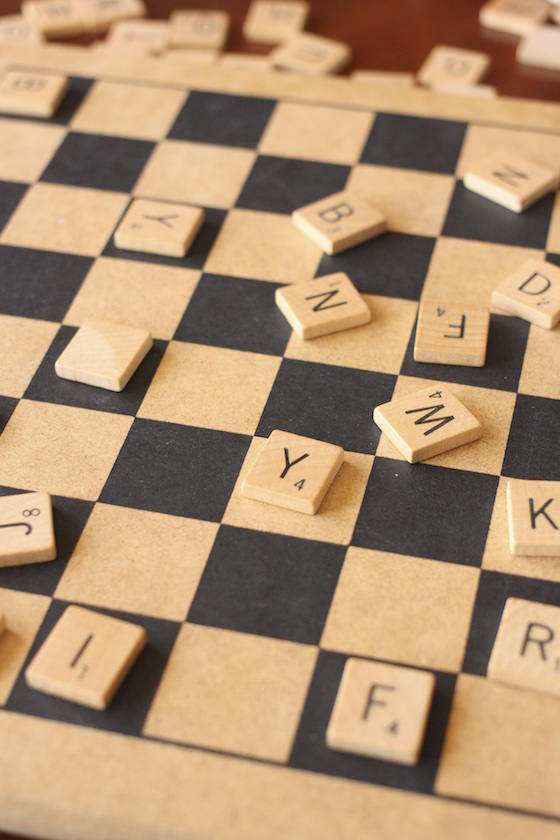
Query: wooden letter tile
pixel 108 12
pixel 542 47
pixel 293 472
pixel 155 227
pixel 451 334
pixel 199 29
pixel 58 18
pixel 450 65
pixel 86 657
pixel 534 518
pixel 326 305
pixel 144 36
pixel 518 17
pixel 31 94
pixel 103 354
pixel 26 529
pixel 532 292
pixel 339 221
pixel 381 711
pixel 311 55
pixel 527 647
pixel 427 423
pixel 14 29
pixel 274 21
pixel 511 180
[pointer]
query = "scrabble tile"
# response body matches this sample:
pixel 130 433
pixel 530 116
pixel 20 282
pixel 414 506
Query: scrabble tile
pixel 31 94
pixel 274 21
pixel 58 18
pixel 149 36
pixel 427 423
pixel 381 711
pixel 518 17
pixel 451 334
pixel 450 65
pixel 541 48
pixel 311 55
pixel 155 227
pixel 108 12
pixel 339 221
pixel 293 472
pixel 103 354
pixel 26 529
pixel 199 29
pixel 86 657
pixel 534 518
pixel 510 180
pixel 14 29
pixel 326 305
pixel 383 76
pixel 246 61
pixel 531 292
pixel 527 647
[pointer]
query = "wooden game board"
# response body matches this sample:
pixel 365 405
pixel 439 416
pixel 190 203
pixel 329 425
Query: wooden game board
pixel 251 611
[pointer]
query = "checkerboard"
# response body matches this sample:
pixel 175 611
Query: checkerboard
pixel 251 610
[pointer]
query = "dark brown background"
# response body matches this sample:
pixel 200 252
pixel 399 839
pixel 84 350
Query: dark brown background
pixel 391 35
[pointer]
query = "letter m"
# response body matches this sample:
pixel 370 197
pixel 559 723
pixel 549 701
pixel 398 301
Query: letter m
pixel 431 416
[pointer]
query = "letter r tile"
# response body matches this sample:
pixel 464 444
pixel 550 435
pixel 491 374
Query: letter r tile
pixel 339 221
pixel 531 292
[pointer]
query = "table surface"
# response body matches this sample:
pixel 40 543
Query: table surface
pixel 391 35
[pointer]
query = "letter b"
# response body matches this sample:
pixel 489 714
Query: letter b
pixel 334 214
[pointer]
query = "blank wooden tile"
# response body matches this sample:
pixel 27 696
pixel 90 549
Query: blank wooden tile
pixel 451 334
pixel 518 17
pixel 86 657
pixel 199 29
pixel 427 423
pixel 381 711
pixel 108 12
pixel 274 21
pixel 311 55
pixel 339 221
pixel 58 18
pixel 155 227
pixel 531 292
pixel 534 518
pixel 293 472
pixel 451 65
pixel 326 305
pixel 26 529
pixel 541 48
pixel 14 29
pixel 103 354
pixel 527 647
pixel 31 94
pixel 508 179
pixel 149 36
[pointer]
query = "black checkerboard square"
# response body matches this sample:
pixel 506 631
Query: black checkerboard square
pixel 7 407
pixel 425 511
pixel 493 591
pixel 235 313
pixel 70 517
pixel 327 402
pixel 394 265
pixel 310 751
pixel 414 143
pixel 181 470
pixel 11 194
pixel 98 162
pixel 268 585
pixel 132 701
pixel 533 450
pixel 281 184
pixel 507 341
pixel 471 216
pixel 220 118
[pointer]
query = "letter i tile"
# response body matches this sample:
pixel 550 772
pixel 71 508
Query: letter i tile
pixel 293 472
pixel 531 292
pixel 339 221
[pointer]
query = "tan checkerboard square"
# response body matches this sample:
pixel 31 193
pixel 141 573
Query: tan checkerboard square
pixel 23 614
pixel 74 220
pixel 23 343
pixel 413 202
pixel 404 609
pixel 155 570
pixel 138 111
pixel 263 246
pixel 483 141
pixel 259 717
pixel 494 410
pixel 336 518
pixel 468 272
pixel 538 376
pixel 62 450
pixel 497 557
pixel 553 243
pixel 123 291
pixel 379 345
pixel 332 135
pixel 210 387
pixel 26 148
pixel 195 173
